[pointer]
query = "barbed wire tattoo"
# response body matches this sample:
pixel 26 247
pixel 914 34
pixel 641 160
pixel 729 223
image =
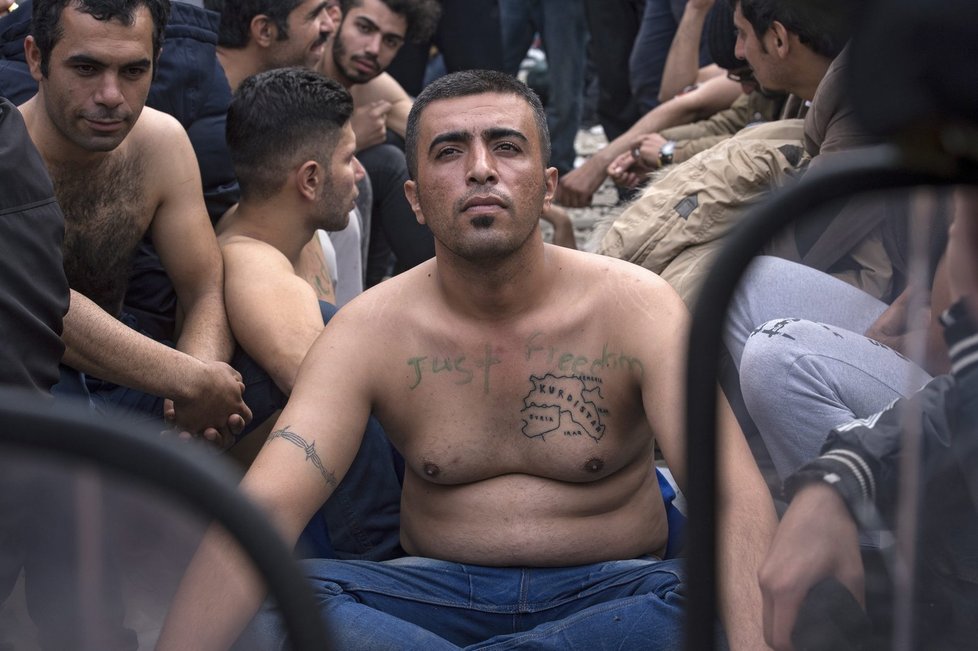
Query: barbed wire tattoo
pixel 310 450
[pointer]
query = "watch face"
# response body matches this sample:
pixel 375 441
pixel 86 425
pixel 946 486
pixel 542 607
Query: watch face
pixel 665 152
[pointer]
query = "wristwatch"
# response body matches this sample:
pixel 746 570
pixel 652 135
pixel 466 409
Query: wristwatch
pixel 666 151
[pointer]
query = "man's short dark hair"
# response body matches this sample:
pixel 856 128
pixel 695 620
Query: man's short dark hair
pixel 279 116
pixel 464 84
pixel 421 15
pixel 47 30
pixel 825 26
pixel 236 16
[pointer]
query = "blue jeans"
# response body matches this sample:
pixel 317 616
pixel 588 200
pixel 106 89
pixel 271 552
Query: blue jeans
pixel 660 20
pixel 562 25
pixel 613 25
pixel 422 603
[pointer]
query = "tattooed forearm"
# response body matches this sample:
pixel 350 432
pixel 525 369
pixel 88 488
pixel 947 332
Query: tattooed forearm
pixel 310 450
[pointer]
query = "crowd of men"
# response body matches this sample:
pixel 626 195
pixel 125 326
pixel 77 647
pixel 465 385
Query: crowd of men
pixel 240 226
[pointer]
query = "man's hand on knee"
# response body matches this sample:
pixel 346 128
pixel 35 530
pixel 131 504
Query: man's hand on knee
pixel 817 539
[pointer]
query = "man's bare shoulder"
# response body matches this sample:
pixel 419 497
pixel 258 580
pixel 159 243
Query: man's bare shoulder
pixel 394 302
pixel 157 128
pixel 383 86
pixel 162 142
pixel 245 253
pixel 606 273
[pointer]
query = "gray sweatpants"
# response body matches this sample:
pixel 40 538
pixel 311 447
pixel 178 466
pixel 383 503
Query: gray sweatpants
pixel 795 335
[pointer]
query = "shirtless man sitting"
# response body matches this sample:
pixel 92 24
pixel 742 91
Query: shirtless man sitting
pixel 525 385
pixel 293 149
pixel 120 170
pixel 292 144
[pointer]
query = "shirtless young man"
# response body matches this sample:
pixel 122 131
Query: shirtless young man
pixel 120 170
pixel 292 144
pixel 293 149
pixel 368 35
pixel 525 385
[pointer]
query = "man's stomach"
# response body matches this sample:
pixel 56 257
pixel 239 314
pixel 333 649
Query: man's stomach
pixel 524 520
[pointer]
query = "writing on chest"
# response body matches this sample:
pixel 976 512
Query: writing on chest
pixel 534 354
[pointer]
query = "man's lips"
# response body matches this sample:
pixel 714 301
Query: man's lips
pixel 365 65
pixel 105 125
pixel 483 203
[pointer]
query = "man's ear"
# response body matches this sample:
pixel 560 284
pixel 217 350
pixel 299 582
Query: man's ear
pixel 309 180
pixel 263 30
pixel 33 54
pixel 411 192
pixel 779 39
pixel 551 176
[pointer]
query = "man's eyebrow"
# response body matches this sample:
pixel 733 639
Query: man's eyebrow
pixel 491 134
pixel 497 133
pixel 322 6
pixel 449 136
pixel 92 61
pixel 370 23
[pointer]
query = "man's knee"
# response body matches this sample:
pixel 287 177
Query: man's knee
pixel 771 346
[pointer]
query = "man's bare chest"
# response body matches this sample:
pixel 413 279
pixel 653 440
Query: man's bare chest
pixel 554 406
pixel 107 212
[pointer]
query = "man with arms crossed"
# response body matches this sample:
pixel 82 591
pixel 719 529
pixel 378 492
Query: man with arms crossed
pixel 526 399
pixel 120 170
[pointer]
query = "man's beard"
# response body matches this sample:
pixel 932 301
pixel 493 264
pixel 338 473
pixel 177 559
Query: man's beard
pixel 348 71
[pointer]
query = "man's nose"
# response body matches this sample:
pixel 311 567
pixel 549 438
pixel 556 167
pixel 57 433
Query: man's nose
pixel 373 44
pixel 482 166
pixel 109 93
pixel 326 24
pixel 739 49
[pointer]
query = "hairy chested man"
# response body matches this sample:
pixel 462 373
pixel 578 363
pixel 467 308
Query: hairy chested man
pixel 120 170
pixel 526 386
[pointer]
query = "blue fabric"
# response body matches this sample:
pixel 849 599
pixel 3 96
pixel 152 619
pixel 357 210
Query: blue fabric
pixel 675 518
pixel 660 21
pixel 613 25
pixel 190 85
pixel 563 28
pixel 420 603
pixel 16 83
